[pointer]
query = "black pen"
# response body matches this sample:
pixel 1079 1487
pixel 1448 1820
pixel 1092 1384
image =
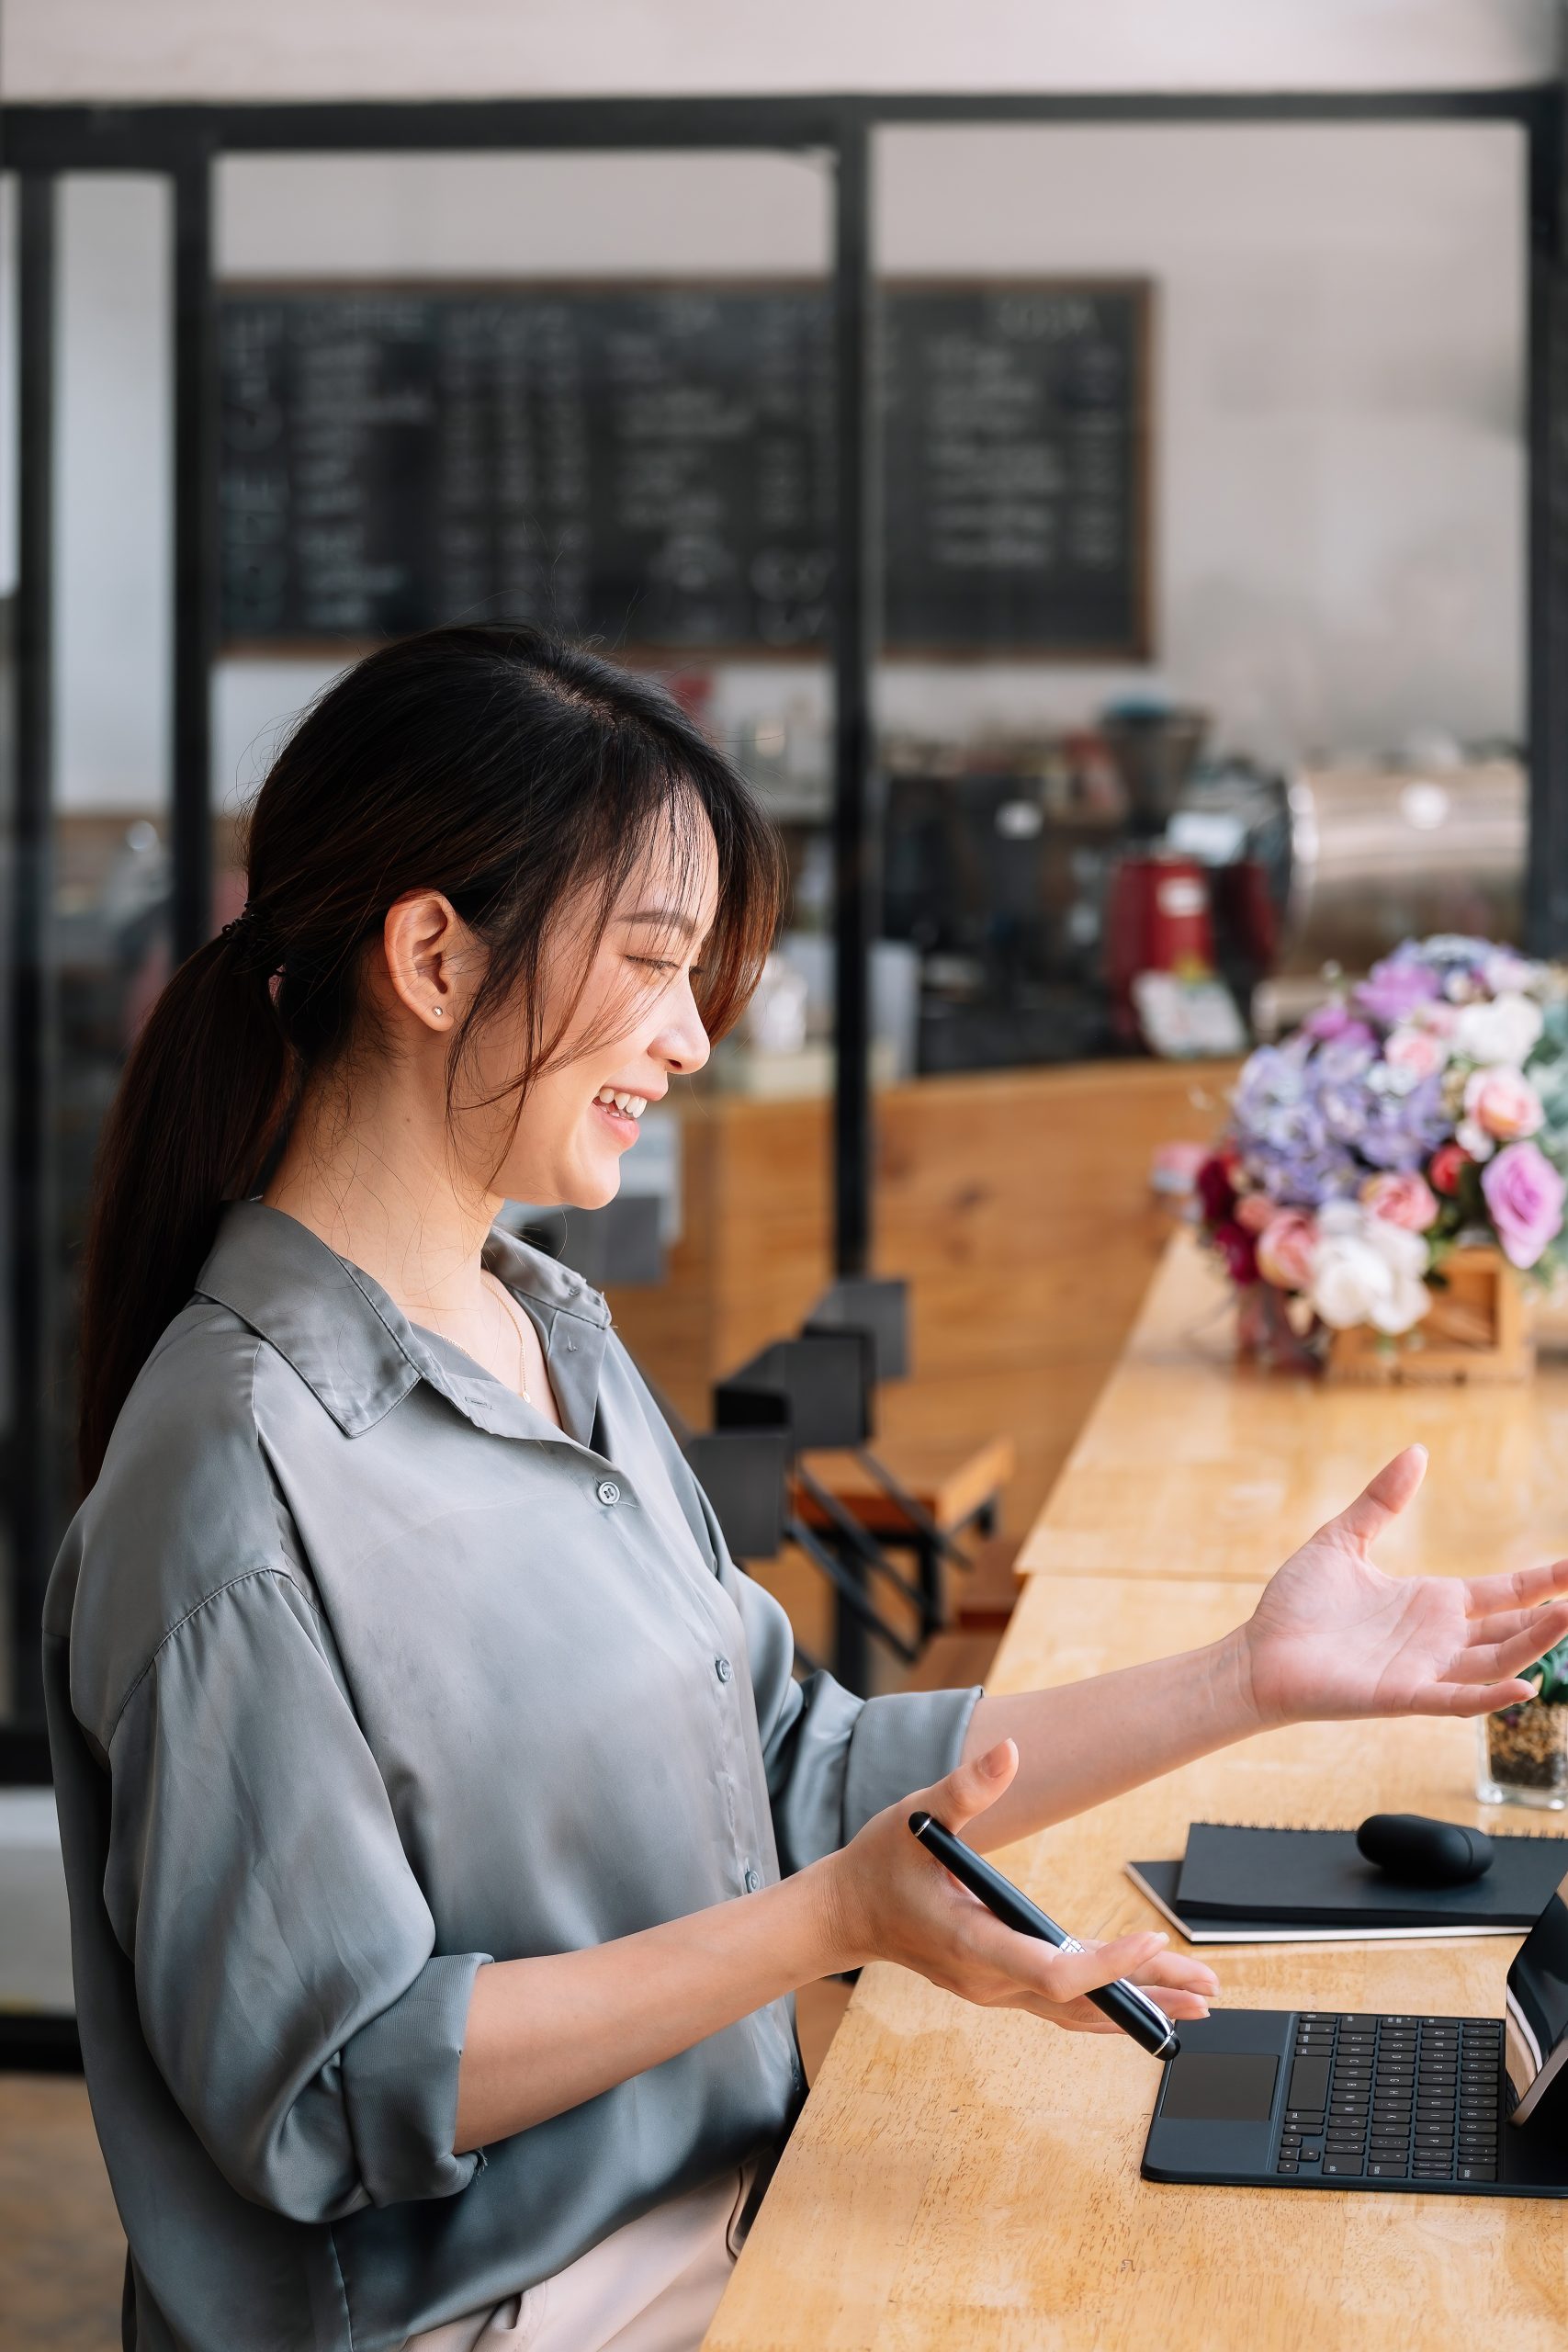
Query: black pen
pixel 1122 2003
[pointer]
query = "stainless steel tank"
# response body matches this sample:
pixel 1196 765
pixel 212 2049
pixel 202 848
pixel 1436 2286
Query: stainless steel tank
pixel 1379 855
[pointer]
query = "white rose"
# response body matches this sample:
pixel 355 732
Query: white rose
pixel 1405 1307
pixel 1404 1254
pixel 1506 1030
pixel 1368 1271
pixel 1505 970
pixel 1404 1251
pixel 1350 1281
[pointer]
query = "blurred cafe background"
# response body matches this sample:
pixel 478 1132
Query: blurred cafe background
pixel 1105 490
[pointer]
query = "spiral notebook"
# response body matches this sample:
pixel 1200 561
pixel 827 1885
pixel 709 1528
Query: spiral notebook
pixel 1241 1884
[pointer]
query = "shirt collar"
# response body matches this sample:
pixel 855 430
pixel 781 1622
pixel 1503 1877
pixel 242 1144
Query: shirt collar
pixel 356 1348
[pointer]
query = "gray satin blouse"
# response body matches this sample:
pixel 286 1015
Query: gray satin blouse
pixel 360 1673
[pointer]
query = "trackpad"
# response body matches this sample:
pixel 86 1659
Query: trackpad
pixel 1221 2087
pixel 1213 2119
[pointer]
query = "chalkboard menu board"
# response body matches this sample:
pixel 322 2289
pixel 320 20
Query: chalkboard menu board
pixel 653 466
pixel 1016 449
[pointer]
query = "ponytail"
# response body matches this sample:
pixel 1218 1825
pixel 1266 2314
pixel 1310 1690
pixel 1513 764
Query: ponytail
pixel 487 761
pixel 203 1096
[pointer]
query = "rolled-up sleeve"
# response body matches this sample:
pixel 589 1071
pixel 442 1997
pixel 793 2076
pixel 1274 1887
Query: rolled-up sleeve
pixel 284 1955
pixel 832 1759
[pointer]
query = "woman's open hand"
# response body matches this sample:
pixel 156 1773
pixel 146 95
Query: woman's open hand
pixel 1332 1637
pixel 890 1900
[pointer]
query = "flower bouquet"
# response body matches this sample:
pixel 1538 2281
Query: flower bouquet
pixel 1416 1122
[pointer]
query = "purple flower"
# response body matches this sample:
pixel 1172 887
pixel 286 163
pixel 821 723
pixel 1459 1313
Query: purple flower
pixel 1336 1022
pixel 1525 1194
pixel 1392 990
pixel 1312 1118
pixel 1402 1131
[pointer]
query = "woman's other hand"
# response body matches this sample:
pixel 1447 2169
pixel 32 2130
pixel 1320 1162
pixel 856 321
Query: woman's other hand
pixel 1334 1636
pixel 889 1899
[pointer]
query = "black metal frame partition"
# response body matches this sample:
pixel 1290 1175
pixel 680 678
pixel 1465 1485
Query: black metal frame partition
pixel 182 142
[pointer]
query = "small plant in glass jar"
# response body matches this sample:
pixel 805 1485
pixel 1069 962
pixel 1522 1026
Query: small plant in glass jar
pixel 1524 1750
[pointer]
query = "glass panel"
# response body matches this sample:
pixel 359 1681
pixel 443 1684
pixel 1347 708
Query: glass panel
pixel 9 483
pixel 590 390
pixel 110 620
pixel 1319 470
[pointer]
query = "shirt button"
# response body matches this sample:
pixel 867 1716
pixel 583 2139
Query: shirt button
pixel 608 1492
pixel 752 1880
pixel 723 1669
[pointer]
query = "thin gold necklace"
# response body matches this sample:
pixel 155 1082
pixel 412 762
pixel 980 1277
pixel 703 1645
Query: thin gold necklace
pixel 517 1327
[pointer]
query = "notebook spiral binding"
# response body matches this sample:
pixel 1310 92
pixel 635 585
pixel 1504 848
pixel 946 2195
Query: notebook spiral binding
pixel 1332 1829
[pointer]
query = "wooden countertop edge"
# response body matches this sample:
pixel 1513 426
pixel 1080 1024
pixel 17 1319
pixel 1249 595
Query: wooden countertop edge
pixel 705 1100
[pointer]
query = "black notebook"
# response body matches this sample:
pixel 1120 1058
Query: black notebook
pixel 1317 1878
pixel 1157 1881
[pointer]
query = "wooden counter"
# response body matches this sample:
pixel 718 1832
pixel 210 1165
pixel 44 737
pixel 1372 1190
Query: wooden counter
pixel 1190 1465
pixel 967 2181
pixel 1015 1203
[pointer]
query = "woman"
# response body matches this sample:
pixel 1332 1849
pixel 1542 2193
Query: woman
pixel 445 1832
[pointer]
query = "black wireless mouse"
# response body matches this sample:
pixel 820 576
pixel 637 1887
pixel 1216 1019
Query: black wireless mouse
pixel 1418 1852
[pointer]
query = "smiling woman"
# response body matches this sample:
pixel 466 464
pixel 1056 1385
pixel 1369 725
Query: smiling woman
pixel 479 871
pixel 445 1829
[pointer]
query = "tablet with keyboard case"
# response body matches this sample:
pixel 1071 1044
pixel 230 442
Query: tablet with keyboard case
pixel 1471 2107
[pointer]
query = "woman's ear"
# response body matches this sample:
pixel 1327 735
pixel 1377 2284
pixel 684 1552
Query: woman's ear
pixel 425 949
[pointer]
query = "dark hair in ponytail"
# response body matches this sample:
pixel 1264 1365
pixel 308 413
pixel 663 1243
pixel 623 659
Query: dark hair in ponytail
pixel 489 763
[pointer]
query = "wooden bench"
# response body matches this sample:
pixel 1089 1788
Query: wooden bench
pixel 954 1488
pixel 956 1482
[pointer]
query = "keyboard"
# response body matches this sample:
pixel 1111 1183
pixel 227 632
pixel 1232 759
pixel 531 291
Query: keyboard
pixel 1406 2098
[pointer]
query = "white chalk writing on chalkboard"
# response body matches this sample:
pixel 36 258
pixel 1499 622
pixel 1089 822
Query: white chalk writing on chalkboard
pixel 655 465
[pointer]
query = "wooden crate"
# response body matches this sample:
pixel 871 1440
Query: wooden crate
pixel 1479 1329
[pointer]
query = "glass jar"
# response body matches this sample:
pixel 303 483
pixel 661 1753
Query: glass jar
pixel 1523 1755
pixel 1266 1336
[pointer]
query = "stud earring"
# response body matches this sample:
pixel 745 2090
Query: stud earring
pixel 439 1011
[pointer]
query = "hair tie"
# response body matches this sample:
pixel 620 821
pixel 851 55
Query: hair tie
pixel 249 932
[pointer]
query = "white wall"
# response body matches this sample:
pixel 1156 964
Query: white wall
pixel 236 49
pixel 9 385
pixel 114 572
pixel 1340 452
pixel 1339 526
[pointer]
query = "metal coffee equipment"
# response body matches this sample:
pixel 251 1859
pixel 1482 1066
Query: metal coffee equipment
pixel 1384 853
pixel 1155 750
pixel 1378 854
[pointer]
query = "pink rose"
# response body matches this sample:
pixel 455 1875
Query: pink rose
pixel 1416 1050
pixel 1406 1199
pixel 1502 1103
pixel 1525 1194
pixel 1254 1211
pixel 1287 1249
